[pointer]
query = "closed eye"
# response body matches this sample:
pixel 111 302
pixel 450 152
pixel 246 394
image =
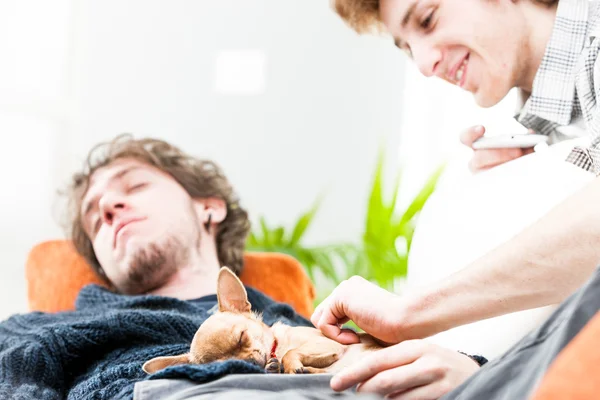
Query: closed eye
pixel 242 339
pixel 137 187
pixel 426 22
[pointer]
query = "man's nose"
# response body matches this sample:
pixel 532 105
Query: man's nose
pixel 428 59
pixel 111 204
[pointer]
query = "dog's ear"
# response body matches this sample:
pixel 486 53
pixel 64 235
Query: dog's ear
pixel 158 363
pixel 231 293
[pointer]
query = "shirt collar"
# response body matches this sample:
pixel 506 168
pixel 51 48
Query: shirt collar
pixel 553 91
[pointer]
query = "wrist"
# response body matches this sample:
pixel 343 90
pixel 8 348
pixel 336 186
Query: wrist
pixel 410 316
pixel 421 314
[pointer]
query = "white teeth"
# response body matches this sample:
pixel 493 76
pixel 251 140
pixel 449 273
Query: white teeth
pixel 459 74
pixel 460 71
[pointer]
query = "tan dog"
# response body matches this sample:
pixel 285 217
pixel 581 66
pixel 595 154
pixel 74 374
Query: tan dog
pixel 234 332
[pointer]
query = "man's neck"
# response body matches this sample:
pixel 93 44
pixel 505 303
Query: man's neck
pixel 196 279
pixel 541 23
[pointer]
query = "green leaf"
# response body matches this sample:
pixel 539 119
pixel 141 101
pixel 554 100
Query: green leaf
pixel 252 240
pixel 396 190
pixel 375 204
pixel 307 260
pixel 426 191
pixel 326 265
pixel 303 222
pixel 277 237
pixel 265 232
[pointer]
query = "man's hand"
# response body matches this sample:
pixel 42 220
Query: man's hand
pixel 372 308
pixel 413 369
pixel 488 158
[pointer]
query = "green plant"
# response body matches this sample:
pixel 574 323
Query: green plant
pixel 381 255
pixel 388 233
pixel 278 239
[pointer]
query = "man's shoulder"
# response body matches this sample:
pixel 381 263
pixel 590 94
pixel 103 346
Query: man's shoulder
pixel 593 20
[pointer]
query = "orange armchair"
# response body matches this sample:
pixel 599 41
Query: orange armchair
pixel 56 273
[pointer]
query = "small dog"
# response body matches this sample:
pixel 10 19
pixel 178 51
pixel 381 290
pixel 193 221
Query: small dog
pixel 235 332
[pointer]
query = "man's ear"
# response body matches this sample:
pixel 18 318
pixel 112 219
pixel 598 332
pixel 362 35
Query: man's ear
pixel 159 363
pixel 216 208
pixel 231 293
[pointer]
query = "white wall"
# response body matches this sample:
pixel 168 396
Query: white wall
pixel 148 67
pixel 34 43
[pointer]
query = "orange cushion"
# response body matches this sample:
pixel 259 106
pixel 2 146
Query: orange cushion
pixel 575 374
pixel 56 273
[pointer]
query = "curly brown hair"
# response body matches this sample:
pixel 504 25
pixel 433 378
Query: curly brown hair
pixel 200 178
pixel 363 15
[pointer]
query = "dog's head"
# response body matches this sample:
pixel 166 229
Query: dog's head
pixel 234 332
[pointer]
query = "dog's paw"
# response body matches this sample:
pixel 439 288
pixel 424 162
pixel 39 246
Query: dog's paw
pixel 309 370
pixel 274 367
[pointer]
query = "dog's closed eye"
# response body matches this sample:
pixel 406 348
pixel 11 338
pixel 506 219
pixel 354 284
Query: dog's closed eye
pixel 243 338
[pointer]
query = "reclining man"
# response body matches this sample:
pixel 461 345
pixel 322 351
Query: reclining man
pixel 153 221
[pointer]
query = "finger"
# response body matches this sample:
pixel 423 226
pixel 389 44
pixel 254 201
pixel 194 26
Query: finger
pixel 488 158
pixel 528 150
pixel 316 315
pixel 381 360
pixel 329 324
pixel 396 380
pixel 471 134
pixel 348 336
pixel 523 152
pixel 487 167
pixel 325 304
pixel 432 391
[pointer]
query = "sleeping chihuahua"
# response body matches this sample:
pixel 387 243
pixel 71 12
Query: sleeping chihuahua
pixel 235 332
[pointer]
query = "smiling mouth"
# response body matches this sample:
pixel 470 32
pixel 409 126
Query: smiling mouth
pixel 459 75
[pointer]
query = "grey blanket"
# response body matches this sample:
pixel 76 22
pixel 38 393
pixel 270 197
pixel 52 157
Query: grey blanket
pixel 513 376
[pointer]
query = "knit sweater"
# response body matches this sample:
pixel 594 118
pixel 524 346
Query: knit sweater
pixel 97 351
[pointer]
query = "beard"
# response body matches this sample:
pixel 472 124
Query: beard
pixel 153 265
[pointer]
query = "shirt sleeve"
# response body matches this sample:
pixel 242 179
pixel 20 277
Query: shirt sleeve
pixel 28 368
pixel 588 90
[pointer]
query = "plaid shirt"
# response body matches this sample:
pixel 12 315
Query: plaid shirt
pixel 568 80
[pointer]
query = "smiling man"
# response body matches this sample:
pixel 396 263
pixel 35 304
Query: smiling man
pixel 463 42
pixel 548 50
pixel 490 47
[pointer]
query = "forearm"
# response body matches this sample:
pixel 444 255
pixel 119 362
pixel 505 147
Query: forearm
pixel 542 265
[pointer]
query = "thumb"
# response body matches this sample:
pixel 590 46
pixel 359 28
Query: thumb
pixel 330 326
pixel 471 134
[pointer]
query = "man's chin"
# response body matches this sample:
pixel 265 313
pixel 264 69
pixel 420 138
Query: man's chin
pixel 488 97
pixel 147 268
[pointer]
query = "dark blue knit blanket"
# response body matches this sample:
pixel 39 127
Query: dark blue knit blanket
pixel 97 351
